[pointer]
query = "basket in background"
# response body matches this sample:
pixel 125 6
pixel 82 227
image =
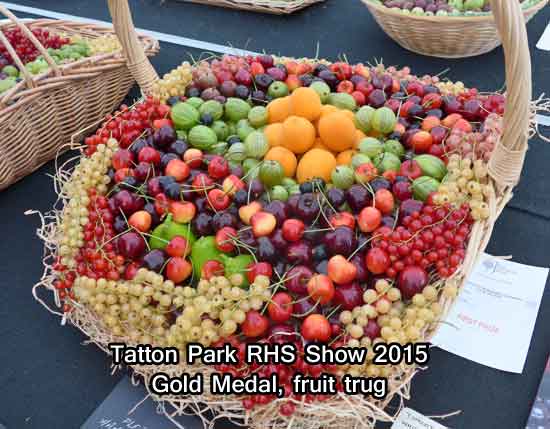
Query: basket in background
pixel 443 36
pixel 41 113
pixel 276 7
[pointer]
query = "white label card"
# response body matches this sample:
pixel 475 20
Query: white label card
pixel 410 419
pixel 544 42
pixel 493 318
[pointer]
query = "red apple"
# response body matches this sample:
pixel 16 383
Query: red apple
pixel 293 230
pixel 340 270
pixel 255 324
pixel 182 212
pixel 316 327
pixel 178 246
pixel 321 288
pixel 177 169
pixel 246 212
pixel 280 307
pixel 178 269
pixel 263 224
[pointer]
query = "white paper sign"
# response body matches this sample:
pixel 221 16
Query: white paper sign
pixel 493 318
pixel 410 419
pixel 544 42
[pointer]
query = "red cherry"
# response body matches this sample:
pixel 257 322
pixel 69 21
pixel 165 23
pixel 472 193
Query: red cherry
pixel 218 167
pixel 255 324
pixel 212 268
pixel 377 260
pixel 224 239
pixel 316 327
pixel 178 246
pixel 149 155
pixel 178 269
pixel 321 288
pixel 259 269
pixel 293 230
pixel 280 307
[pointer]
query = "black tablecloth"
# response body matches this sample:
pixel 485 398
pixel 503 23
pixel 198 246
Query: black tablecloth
pixel 49 380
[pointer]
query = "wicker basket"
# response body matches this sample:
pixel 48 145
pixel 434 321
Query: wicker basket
pixel 276 7
pixel 340 411
pixel 443 36
pixel 42 112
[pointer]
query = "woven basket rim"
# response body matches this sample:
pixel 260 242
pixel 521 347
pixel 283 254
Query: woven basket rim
pixel 448 19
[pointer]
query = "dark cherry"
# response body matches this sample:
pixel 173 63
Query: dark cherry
pixel 348 296
pixel 202 224
pixel 178 147
pixel 380 183
pixel 320 253
pixel 223 219
pixel 173 191
pixel 362 272
pixel 278 240
pixel 256 189
pixel 154 260
pixel 358 197
pixel 303 308
pixel 247 237
pixel 388 221
pixel 240 198
pixel 299 253
pixel 322 267
pixel 278 209
pixel 266 251
pixel 155 218
pixel 119 224
pixel 308 207
pixel 292 202
pixel 164 137
pixel 408 207
pixel 341 241
pixel 336 197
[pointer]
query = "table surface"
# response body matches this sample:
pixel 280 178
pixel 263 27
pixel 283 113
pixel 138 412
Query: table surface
pixel 48 379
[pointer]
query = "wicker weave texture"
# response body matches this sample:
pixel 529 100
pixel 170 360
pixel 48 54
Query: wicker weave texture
pixel 443 36
pixel 41 113
pixel 277 7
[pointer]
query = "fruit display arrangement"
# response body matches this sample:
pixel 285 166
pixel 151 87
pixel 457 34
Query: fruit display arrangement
pixel 277 200
pixel 62 49
pixel 445 7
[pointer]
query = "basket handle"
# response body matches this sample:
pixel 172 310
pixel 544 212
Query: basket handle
pixel 28 77
pixel 507 159
pixel 139 65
